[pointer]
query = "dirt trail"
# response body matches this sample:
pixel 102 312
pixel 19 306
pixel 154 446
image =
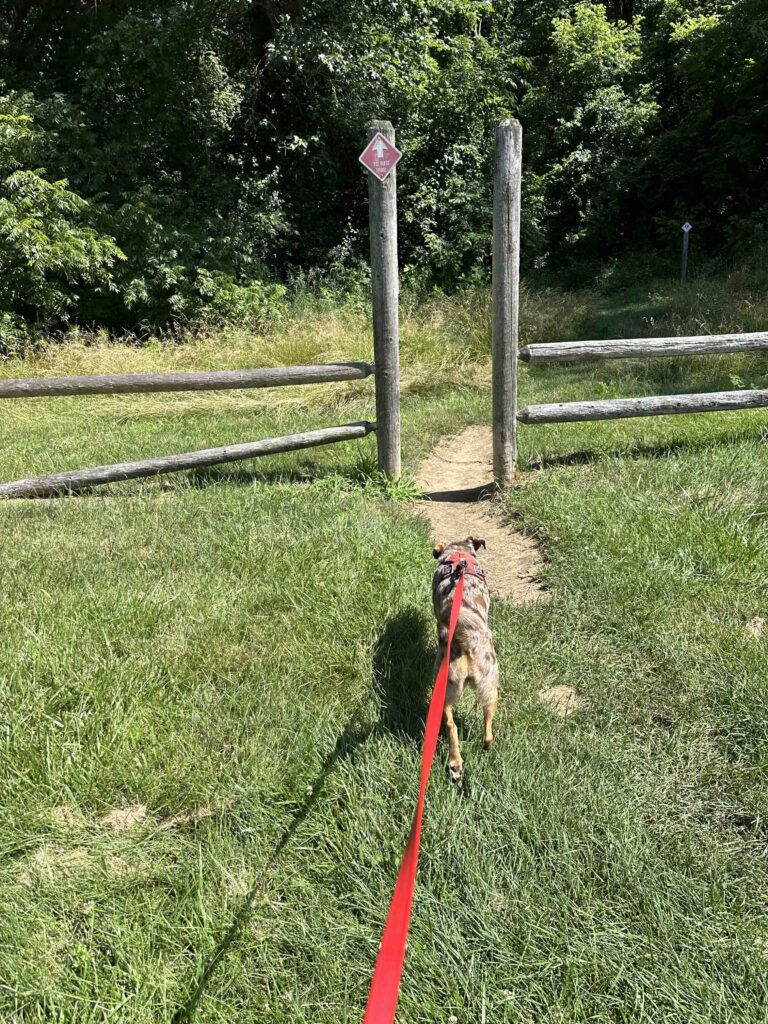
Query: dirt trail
pixel 457 481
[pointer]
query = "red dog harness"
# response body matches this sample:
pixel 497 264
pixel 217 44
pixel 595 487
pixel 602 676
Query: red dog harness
pixel 452 565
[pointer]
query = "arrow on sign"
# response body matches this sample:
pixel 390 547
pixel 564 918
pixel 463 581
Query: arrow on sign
pixel 380 156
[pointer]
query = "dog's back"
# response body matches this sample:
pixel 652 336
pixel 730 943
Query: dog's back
pixel 472 659
pixel 476 601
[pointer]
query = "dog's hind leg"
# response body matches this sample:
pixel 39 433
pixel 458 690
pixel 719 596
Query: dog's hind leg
pixel 455 763
pixel 457 675
pixel 488 695
pixel 488 712
pixel 456 680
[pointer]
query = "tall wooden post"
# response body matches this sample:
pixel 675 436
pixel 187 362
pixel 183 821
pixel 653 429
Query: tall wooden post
pixel 506 296
pixel 382 199
pixel 684 263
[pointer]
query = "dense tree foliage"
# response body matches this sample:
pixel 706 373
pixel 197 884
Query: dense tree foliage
pixel 166 160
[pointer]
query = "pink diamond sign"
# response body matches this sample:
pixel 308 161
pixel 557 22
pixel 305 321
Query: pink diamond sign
pixel 380 156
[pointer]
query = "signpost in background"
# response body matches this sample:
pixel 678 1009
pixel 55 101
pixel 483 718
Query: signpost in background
pixel 684 266
pixel 380 157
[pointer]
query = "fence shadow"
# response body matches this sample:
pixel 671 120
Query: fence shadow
pixel 402 681
pixel 464 495
pixel 351 737
pixel 308 473
pixel 657 450
pixel 199 479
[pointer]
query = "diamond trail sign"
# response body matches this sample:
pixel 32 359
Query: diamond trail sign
pixel 380 156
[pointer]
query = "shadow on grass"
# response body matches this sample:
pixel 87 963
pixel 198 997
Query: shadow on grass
pixel 308 473
pixel 658 450
pixel 637 317
pixel 402 666
pixel 402 675
pixel 348 740
pixel 200 479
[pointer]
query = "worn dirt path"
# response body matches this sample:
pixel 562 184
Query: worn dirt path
pixel 457 481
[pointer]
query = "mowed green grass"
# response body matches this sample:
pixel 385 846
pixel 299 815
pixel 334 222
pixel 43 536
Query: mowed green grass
pixel 239 661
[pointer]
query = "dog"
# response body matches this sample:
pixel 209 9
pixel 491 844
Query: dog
pixel 473 658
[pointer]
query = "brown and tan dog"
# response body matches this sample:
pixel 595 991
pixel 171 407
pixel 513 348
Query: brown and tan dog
pixel 473 658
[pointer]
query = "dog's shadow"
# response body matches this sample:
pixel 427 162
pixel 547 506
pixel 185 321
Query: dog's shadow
pixel 403 661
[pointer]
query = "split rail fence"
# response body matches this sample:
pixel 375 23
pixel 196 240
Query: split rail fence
pixel 506 263
pixel 385 368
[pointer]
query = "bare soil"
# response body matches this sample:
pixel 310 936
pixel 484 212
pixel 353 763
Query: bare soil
pixel 756 628
pixel 562 700
pixel 457 481
pixel 121 819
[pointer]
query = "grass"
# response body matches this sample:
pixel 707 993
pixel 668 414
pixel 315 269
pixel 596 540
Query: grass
pixel 239 660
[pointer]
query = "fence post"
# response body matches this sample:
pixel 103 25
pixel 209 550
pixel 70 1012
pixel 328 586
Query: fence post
pixel 382 200
pixel 506 296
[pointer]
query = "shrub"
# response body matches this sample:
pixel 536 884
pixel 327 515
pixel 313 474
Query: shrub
pixel 48 245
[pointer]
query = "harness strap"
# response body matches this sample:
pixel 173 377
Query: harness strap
pixel 451 564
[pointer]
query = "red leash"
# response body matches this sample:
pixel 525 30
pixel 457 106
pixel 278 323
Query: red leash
pixel 385 987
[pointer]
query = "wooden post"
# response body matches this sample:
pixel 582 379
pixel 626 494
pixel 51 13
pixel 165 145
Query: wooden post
pixel 506 296
pixel 684 263
pixel 382 199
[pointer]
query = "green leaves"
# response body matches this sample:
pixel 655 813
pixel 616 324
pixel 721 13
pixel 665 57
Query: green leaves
pixel 591 52
pixel 48 246
pixel 592 119
pixel 220 139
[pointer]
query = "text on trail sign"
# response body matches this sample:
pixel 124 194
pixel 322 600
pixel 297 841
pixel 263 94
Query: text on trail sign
pixel 379 156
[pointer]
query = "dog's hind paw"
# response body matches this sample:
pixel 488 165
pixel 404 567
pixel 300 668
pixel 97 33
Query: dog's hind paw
pixel 456 771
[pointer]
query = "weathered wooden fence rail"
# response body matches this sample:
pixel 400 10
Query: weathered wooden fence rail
pixel 637 348
pixel 212 380
pixel 652 405
pixel 83 479
pixel 506 258
pixel 655 405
